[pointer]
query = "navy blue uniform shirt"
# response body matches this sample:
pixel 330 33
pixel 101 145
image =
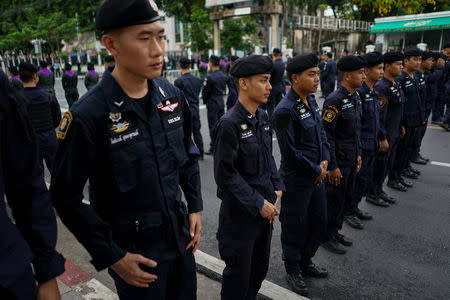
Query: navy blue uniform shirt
pixel 301 137
pixel 370 118
pixel 232 92
pixel 214 89
pixel 276 78
pixel 342 123
pixel 33 238
pixel 244 167
pixel 413 113
pixel 391 105
pixel 135 155
pixel 191 86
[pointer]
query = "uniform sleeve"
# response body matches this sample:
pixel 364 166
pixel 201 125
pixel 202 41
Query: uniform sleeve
pixel 329 117
pixel 206 90
pixel 56 111
pixel 325 144
pixel 281 121
pixel 73 164
pixel 226 172
pixel 190 173
pixel 383 102
pixel 27 193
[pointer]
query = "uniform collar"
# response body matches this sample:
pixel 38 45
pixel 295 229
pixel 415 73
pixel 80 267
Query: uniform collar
pixel 345 92
pixel 245 114
pixel 292 95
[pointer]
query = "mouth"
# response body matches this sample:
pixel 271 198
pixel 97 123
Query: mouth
pixel 266 95
pixel 156 65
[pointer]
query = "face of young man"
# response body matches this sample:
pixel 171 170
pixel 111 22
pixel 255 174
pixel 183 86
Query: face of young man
pixel 307 81
pixel 394 69
pixel 412 63
pixel 428 63
pixel 440 62
pixel 138 49
pixel 374 73
pixel 257 87
pixel 355 78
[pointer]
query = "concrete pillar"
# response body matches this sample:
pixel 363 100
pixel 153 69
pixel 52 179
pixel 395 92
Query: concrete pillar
pixel 275 32
pixel 216 37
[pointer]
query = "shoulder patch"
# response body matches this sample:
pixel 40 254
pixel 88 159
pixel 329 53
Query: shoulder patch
pixel 329 114
pixel 383 102
pixel 64 125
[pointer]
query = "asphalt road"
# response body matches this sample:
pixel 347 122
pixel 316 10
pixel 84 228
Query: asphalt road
pixel 403 253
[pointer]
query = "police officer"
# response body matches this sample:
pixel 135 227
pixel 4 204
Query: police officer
pixel 46 78
pixel 232 91
pixel 247 181
pixel 212 94
pixel 276 81
pixel 91 78
pixel 438 89
pixel 373 138
pixel 304 161
pixel 32 239
pixel 43 111
pixel 15 80
pixel 446 79
pixel 70 84
pixel 413 118
pixel 130 136
pixel 422 76
pixel 391 116
pixel 342 123
pixel 328 77
pixel 191 85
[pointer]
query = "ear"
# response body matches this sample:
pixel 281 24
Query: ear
pixel 111 43
pixel 243 84
pixel 295 78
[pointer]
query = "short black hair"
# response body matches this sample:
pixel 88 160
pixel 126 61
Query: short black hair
pixel 329 54
pixel 13 70
pixel 185 62
pixel 67 67
pixel 27 71
pixel 43 64
pixel 215 60
pixel 234 58
pixel 90 66
pixel 109 58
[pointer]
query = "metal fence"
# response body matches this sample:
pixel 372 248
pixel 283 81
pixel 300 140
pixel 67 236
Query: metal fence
pixel 305 21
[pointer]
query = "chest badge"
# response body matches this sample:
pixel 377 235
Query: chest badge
pixel 120 127
pixel 345 101
pixel 302 110
pixel 118 104
pixel 115 117
pixel 169 107
pixel 244 126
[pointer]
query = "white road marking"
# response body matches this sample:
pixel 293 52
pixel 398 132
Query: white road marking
pixel 442 164
pixel 94 289
pixel 268 289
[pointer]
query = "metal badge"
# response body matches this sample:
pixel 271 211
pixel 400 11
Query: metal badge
pixel 118 104
pixel 162 91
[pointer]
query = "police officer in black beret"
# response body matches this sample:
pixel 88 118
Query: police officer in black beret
pixel 212 94
pixel 32 239
pixel 446 79
pixel 46 78
pixel 276 81
pixel 191 86
pixel 423 76
pixel 391 115
pixel 328 77
pixel 232 90
pixel 342 123
pixel 247 181
pixel 131 137
pixel 304 161
pixel 413 118
pixel 373 138
pixel 438 89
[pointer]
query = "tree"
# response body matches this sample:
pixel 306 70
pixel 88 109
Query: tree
pixel 239 33
pixel 368 10
pixel 55 27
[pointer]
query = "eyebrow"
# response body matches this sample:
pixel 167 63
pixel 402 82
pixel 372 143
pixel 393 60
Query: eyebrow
pixel 265 76
pixel 151 32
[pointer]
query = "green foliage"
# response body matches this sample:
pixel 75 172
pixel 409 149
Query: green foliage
pixel 239 33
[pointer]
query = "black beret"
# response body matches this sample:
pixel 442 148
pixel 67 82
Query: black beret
pixel 427 54
pixel 24 66
pixel 233 58
pixel 390 57
pixel 119 13
pixel 251 65
pixel 373 59
pixel 446 45
pixel 351 63
pixel 413 52
pixel 438 55
pixel 302 62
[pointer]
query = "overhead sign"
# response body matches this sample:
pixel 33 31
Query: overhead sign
pixel 212 3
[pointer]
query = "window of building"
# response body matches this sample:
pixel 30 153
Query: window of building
pixel 177 30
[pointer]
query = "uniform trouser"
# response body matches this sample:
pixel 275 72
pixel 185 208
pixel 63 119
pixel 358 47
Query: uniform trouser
pixel 438 108
pixel 303 223
pixel 196 129
pixel 338 198
pixel 447 109
pixel 71 97
pixel 246 257
pixel 214 114
pixel 404 153
pixel 418 137
pixel 177 279
pixel 383 165
pixel 363 180
pixel 47 148
pixel 23 288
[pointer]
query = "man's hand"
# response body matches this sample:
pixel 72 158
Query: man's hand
pixel 334 176
pixel 384 145
pixel 279 194
pixel 321 177
pixel 269 211
pixel 403 132
pixel 358 163
pixel 195 228
pixel 128 269
pixel 48 291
